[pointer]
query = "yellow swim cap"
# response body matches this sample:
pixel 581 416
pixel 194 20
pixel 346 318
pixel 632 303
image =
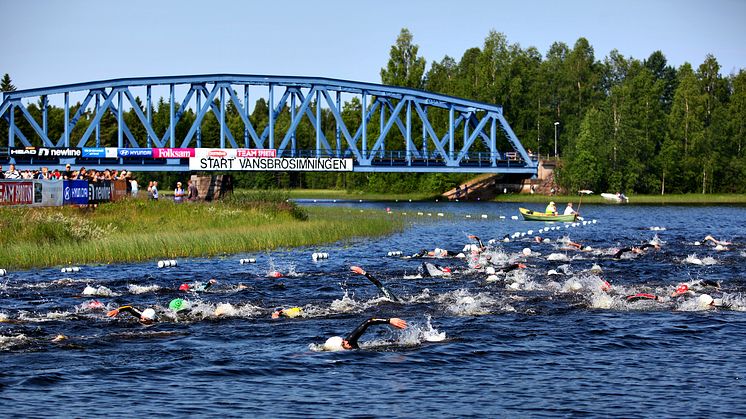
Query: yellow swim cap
pixel 292 312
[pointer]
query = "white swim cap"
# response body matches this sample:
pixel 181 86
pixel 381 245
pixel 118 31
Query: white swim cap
pixel 489 270
pixel 148 314
pixel 526 251
pixel 333 344
pixel 705 300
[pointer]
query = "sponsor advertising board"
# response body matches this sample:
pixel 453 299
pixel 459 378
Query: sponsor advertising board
pixel 47 193
pixel 99 191
pixel 75 192
pixel 118 189
pixel 232 153
pixel 134 152
pixel 173 153
pixel 46 152
pixel 271 164
pixel 16 193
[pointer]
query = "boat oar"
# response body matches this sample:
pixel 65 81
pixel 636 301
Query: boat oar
pixel 582 192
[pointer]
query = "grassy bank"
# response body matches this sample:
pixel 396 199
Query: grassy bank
pixel 681 199
pixel 365 196
pixel 137 230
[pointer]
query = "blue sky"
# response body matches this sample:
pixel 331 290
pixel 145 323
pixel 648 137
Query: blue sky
pixel 59 42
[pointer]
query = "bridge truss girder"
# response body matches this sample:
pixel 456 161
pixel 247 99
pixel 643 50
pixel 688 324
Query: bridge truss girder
pixel 449 147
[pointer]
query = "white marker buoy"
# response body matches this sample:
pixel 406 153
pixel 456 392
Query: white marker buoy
pixel 440 214
pixel 502 217
pixel 484 216
pixel 513 217
pixel 3 272
pixel 468 215
pixel 249 260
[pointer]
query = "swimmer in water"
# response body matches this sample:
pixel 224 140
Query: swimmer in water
pixel 511 267
pixel 479 242
pixel 635 249
pixel 388 294
pixel 716 242
pixel 290 313
pixel 432 270
pixel 641 296
pixel 698 285
pixel 146 316
pixel 338 343
pixel 198 286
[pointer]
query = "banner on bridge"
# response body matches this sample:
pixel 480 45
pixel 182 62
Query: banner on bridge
pixel 232 153
pixel 262 164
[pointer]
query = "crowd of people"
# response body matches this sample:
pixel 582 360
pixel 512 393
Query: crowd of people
pixel 180 194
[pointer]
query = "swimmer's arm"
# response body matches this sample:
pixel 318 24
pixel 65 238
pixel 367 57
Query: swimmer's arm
pixel 127 309
pixel 353 337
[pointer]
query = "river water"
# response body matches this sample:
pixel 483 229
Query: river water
pixel 522 343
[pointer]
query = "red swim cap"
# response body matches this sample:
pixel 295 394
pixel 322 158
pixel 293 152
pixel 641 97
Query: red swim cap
pixel 682 289
pixel 448 270
pixel 184 287
pixel 275 274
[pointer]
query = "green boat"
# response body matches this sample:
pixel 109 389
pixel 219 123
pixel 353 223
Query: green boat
pixel 529 215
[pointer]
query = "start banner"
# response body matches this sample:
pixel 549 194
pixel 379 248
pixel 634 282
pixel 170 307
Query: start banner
pixel 271 164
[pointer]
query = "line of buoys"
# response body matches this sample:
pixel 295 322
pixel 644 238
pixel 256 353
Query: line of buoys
pixel 248 260
pixel 167 263
pixel 317 256
pixel 3 272
pixel 394 253
pixel 70 269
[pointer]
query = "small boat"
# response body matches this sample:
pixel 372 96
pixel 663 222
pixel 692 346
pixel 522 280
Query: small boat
pixel 619 199
pixel 529 215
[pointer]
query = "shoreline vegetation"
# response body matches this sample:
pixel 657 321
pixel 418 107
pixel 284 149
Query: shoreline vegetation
pixel 669 199
pixel 136 230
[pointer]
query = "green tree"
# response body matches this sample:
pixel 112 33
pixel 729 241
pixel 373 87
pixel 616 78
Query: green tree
pixel 6 84
pixel 404 68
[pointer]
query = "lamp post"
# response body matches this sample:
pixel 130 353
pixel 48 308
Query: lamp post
pixel 556 124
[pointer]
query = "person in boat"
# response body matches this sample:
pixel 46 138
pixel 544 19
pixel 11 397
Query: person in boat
pixel 635 249
pixel 337 343
pixel 198 286
pixel 291 312
pixel 551 208
pixel 716 242
pixel 569 210
pixel 385 291
pixel 146 316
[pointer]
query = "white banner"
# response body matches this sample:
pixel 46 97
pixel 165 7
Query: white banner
pixel 271 164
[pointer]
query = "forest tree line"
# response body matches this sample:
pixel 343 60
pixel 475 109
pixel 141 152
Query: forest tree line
pixel 625 124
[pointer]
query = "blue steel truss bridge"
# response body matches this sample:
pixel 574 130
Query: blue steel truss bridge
pixel 381 128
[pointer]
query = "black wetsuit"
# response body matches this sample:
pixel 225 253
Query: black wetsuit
pixel 618 255
pixel 508 268
pixel 383 289
pixel 355 334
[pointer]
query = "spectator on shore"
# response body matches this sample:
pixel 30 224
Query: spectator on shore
pixel 43 175
pixel 179 193
pixel 56 175
pixel 68 173
pixel 81 174
pixel 2 174
pixel 134 186
pixel 154 191
pixel 12 173
pixel 193 194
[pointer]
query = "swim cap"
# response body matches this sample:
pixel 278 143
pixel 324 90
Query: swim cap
pixel 148 314
pixel 292 312
pixel 705 300
pixel 275 274
pixel 682 289
pixel 526 251
pixel 333 344
pixel 177 304
pixel 184 287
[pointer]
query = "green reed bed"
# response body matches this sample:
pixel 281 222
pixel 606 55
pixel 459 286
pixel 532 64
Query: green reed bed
pixel 136 230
